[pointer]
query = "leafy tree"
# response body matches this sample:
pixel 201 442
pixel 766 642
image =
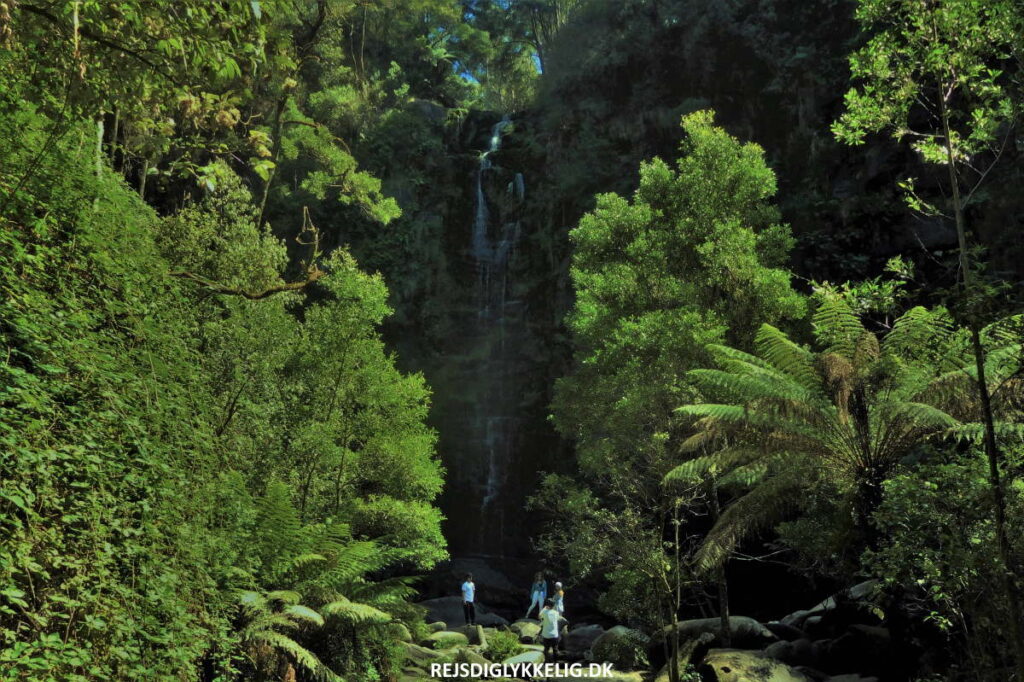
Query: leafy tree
pixel 932 72
pixel 939 552
pixel 693 259
pixel 130 527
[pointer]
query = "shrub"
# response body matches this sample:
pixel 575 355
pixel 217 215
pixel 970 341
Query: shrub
pixel 501 645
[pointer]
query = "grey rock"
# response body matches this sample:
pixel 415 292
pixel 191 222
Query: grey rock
pixel 605 646
pixel 445 639
pixel 745 632
pixel 733 665
pixel 783 631
pixel 581 638
pixel 525 657
pixel 419 655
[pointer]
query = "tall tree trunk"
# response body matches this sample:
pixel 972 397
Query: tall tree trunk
pixel 725 625
pixel 143 175
pixel 677 600
pixel 275 157
pixel 992 452
pixel 98 159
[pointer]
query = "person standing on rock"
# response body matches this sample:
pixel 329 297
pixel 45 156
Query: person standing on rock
pixel 559 599
pixel 550 622
pixel 538 594
pixel 468 595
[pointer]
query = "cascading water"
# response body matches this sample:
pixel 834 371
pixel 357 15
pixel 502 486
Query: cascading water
pixel 494 423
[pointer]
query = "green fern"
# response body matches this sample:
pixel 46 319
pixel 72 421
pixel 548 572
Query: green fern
pixel 851 410
pixel 264 618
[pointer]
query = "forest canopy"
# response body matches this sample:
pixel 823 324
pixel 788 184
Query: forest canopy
pixel 309 308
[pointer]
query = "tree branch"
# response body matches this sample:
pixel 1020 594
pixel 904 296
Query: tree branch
pixel 313 271
pixel 106 42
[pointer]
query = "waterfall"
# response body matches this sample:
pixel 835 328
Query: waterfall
pixel 492 248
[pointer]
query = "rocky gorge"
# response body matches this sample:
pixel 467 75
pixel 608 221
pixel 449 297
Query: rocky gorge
pixel 841 639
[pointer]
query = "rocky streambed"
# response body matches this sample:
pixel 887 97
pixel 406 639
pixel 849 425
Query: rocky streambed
pixel 841 639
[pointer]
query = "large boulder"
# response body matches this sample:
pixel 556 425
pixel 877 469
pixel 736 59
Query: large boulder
pixel 525 657
pixel 419 655
pixel 528 630
pixel 490 620
pixel 854 600
pixel 733 665
pixel 444 640
pixel 783 631
pixel 798 652
pixel 492 586
pixel 475 634
pixel 466 655
pixel 624 647
pixel 449 610
pixel 745 632
pixel 579 640
pixel 690 651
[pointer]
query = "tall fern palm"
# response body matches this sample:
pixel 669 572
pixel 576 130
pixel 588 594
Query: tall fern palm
pixel 850 410
pixel 267 623
pixel 332 569
pixel 334 576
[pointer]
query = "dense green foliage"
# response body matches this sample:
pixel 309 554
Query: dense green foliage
pixel 219 221
pixel 146 420
pixel 693 259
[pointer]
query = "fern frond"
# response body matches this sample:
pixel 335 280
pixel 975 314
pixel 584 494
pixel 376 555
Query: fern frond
pixel 922 416
pixel 761 508
pixel 747 388
pixel 302 656
pixel 304 613
pixel 295 563
pixel 836 327
pixel 786 356
pixel 724 355
pixel 715 463
pixel 916 329
pixel 384 592
pixel 974 432
pixel 354 612
pixel 745 476
pixel 284 596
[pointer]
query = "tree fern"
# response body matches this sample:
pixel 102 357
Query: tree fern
pixel 851 410
pixel 264 618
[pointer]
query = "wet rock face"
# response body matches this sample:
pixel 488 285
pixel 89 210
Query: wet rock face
pixel 490 382
pixel 470 280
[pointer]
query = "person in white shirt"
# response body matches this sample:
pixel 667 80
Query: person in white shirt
pixel 550 624
pixel 468 595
